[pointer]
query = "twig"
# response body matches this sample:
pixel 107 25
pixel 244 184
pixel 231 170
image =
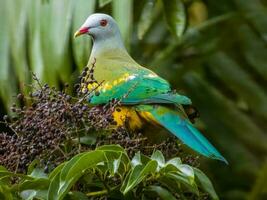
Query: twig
pixel 101 192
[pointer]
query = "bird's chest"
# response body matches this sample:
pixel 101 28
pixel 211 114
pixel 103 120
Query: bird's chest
pixel 102 77
pixel 106 73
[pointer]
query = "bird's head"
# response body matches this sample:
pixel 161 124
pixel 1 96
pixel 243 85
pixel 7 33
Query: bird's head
pixel 99 26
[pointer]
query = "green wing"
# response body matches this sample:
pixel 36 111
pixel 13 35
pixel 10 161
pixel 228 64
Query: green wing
pixel 141 88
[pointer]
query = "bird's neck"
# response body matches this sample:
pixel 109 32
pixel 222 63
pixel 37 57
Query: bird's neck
pixel 110 48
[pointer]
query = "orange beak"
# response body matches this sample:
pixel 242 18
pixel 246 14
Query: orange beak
pixel 81 32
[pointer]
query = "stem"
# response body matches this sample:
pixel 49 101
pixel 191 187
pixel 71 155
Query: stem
pixel 101 192
pixel 104 182
pixel 98 193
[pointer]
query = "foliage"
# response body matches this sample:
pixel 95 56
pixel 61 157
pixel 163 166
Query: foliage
pixel 55 127
pixel 219 62
pixel 108 171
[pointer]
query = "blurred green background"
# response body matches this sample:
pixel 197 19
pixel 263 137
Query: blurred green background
pixel 213 51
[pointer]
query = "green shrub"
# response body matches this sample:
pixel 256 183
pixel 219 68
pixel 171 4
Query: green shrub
pixel 108 171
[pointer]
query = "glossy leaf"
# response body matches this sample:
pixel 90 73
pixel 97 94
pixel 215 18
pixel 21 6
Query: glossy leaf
pixel 34 189
pixel 54 187
pixel 158 156
pixel 138 174
pixel 205 183
pixel 71 174
pixel 175 16
pixel 102 3
pixel 161 192
pixel 149 12
pixel 174 161
pixel 139 159
pixel 181 178
pixel 112 148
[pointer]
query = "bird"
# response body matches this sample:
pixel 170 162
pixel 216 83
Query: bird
pixel 144 96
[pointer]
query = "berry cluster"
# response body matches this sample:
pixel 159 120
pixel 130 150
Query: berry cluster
pixel 49 128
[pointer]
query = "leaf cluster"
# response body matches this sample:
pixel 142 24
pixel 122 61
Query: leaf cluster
pixel 108 172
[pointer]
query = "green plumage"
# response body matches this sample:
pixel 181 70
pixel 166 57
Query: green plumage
pixel 140 87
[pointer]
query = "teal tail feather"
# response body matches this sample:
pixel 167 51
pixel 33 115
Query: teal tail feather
pixel 183 129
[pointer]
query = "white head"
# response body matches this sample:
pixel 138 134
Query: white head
pixel 104 31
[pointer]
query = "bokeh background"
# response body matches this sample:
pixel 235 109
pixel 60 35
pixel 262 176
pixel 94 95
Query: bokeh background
pixel 216 54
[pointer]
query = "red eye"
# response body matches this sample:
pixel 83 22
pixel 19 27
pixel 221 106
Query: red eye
pixel 103 22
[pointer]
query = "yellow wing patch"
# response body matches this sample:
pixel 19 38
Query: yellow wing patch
pixel 127 116
pixel 107 85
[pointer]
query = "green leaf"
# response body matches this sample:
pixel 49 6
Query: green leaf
pixel 115 155
pixel 81 45
pixel 2 168
pixel 35 184
pixel 187 171
pixel 139 159
pixel 136 159
pixel 102 3
pixel 87 140
pixel 116 164
pixel 169 167
pixel 5 192
pixel 38 173
pixel 184 180
pixel 158 156
pixel 33 194
pixel 122 12
pixel 138 173
pixel 73 170
pixel 32 166
pixel 161 192
pixel 55 35
pixel 150 10
pixel 34 189
pixel 175 17
pixel 65 169
pixel 116 148
pixel 174 161
pixel 5 173
pixel 54 187
pixel 7 83
pixel 205 183
pixel 56 171
pixel 55 176
pixel 172 184
pixel 86 161
pixel 36 61
pixel 16 20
